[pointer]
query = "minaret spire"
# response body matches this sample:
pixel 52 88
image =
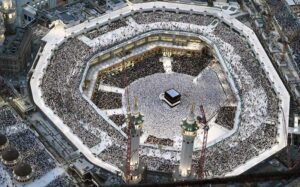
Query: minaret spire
pixel 135 107
pixel 191 116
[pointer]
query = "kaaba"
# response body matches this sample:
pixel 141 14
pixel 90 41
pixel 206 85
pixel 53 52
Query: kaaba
pixel 172 97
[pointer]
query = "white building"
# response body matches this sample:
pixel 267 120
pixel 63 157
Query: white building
pixel 135 120
pixel 26 9
pixel 189 132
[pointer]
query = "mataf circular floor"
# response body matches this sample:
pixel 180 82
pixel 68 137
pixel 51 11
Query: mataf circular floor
pixel 161 120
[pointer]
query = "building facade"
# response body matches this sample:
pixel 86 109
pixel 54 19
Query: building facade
pixel 26 9
pixel 16 52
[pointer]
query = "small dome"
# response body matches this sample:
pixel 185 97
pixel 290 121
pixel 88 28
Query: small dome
pixel 10 154
pixel 3 140
pixel 22 169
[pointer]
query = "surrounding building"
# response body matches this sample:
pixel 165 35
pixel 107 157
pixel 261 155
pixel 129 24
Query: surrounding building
pixel 15 51
pixel 27 9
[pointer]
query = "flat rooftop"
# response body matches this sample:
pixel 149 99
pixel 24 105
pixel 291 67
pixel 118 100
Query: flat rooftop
pixel 173 93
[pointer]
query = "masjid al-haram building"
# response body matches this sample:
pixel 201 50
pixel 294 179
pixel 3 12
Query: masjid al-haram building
pixel 149 93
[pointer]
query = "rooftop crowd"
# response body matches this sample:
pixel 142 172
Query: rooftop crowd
pixel 32 152
pixel 7 117
pixel 62 181
pixel 106 28
pixel 61 93
pixel 26 142
pixel 226 116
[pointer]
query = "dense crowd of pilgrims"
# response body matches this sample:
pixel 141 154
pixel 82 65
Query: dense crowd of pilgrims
pixel 32 152
pixel 190 65
pixel 3 176
pixel 26 143
pixel 106 28
pixel 107 100
pixel 186 62
pixel 68 102
pixel 149 65
pixel 7 117
pixel 159 141
pixel 225 117
pixel 163 121
pixel 61 181
pixel 151 17
pixel 60 87
pixel 118 119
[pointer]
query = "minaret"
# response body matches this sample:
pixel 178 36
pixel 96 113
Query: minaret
pixel 9 15
pixel 135 170
pixel 2 29
pixel 136 134
pixel 189 131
